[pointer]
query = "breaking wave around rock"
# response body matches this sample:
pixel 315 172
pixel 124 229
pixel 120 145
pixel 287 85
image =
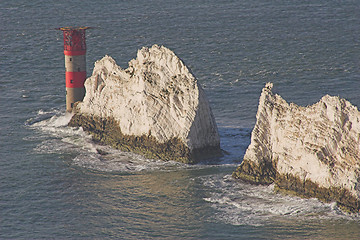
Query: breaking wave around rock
pixel 83 151
pixel 234 202
pixel 242 204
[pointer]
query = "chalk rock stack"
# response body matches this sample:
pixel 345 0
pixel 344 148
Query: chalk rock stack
pixel 155 107
pixel 311 151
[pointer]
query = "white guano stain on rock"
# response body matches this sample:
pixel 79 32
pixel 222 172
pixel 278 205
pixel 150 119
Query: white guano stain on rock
pixel 156 95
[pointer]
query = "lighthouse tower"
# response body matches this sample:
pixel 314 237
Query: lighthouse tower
pixel 75 64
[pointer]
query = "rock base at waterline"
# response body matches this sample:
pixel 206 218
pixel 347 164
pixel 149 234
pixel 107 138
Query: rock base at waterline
pixel 107 131
pixel 293 185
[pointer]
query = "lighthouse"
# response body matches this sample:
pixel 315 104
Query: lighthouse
pixel 75 64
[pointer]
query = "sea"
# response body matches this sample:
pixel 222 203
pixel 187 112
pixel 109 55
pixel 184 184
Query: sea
pixel 55 185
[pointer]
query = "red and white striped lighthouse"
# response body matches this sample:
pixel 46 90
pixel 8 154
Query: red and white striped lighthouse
pixel 75 64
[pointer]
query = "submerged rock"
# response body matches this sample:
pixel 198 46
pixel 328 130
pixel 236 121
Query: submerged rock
pixel 155 107
pixel 311 151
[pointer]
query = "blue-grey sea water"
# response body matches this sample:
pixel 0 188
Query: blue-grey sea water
pixel 54 184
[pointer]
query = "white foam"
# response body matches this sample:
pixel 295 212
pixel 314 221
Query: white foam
pixel 117 161
pixel 239 203
pixel 59 138
pixel 55 121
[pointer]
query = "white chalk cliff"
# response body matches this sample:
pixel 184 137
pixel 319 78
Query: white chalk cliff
pixel 156 96
pixel 313 151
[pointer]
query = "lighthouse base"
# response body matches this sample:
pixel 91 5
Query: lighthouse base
pixel 73 95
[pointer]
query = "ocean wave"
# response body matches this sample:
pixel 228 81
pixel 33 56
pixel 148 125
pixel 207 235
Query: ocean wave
pixel 111 160
pixel 239 203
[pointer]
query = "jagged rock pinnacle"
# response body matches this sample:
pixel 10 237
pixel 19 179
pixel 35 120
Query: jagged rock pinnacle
pixel 313 151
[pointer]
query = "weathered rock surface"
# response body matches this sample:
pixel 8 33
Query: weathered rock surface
pixel 155 107
pixel 311 151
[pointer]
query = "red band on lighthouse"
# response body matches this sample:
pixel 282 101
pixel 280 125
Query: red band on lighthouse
pixel 75 79
pixel 74 53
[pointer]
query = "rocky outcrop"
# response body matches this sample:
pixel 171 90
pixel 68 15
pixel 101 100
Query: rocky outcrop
pixel 311 151
pixel 155 107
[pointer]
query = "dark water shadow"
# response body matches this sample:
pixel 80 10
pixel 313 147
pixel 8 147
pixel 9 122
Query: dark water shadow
pixel 233 143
